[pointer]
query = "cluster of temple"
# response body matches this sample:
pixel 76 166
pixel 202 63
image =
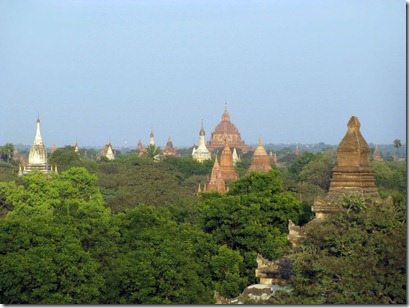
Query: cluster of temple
pixel 225 148
pixel 352 174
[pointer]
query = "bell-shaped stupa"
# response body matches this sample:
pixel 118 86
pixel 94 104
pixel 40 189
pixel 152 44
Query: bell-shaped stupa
pixel 260 160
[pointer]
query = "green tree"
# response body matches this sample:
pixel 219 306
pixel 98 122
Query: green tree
pixel 251 218
pixel 6 151
pixel 152 152
pixel 397 145
pixel 318 171
pixel 54 244
pixel 356 257
pixel 300 162
pixel 65 158
pixel 226 271
pixel 157 261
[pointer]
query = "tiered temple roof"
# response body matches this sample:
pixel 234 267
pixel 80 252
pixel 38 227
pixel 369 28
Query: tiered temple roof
pixel 226 130
pixel 169 148
pixel 353 171
pixel 216 183
pixel 227 169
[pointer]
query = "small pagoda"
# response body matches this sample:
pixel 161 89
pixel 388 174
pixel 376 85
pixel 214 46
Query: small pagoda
pixel 227 168
pixel 169 148
pixel 216 182
pixel 37 158
pixel 201 153
pixel 376 155
pixel 260 160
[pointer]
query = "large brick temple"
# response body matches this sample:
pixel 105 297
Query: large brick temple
pixel 224 132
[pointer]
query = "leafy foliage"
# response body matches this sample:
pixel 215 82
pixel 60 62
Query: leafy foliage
pixel 53 245
pixel 157 261
pixel 251 218
pixel 357 257
pixel 6 151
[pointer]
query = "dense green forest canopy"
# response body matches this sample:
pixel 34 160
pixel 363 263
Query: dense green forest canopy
pixel 135 230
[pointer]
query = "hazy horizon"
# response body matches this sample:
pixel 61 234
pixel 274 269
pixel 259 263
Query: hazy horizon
pixel 290 71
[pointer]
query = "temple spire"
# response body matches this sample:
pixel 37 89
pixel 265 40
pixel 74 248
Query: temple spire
pixel 225 116
pixel 151 138
pixel 37 139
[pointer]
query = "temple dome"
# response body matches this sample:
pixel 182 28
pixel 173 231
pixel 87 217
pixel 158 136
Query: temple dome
pixel 226 131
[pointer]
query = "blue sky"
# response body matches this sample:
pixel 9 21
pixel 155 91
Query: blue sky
pixel 292 71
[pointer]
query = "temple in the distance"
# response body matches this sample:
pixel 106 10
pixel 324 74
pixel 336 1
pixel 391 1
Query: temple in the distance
pixel 201 153
pixel 352 174
pixel 224 132
pixel 37 158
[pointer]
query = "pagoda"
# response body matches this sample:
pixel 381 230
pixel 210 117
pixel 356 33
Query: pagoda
pixel 201 153
pixel 169 148
pixel 352 173
pixel 260 160
pixel 151 138
pixel 273 158
pixel 15 155
pixel 108 152
pixel 235 157
pixel 37 158
pixel 227 169
pixel 216 183
pixel 140 146
pixel 226 130
pixel 376 154
pixel 76 149
pixel 353 170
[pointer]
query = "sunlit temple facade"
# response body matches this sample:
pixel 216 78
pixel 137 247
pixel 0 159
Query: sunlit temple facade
pixel 224 132
pixel 201 153
pixel 37 159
